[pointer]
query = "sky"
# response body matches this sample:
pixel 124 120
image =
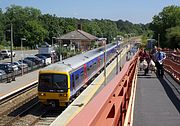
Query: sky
pixel 135 11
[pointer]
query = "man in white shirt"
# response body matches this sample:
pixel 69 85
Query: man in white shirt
pixel 159 58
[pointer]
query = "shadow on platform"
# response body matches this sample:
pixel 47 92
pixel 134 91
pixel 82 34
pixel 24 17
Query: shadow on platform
pixel 169 91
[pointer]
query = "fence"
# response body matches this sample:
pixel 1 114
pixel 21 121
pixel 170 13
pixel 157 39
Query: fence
pixel 172 64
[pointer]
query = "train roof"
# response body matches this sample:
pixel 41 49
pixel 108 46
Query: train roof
pixel 74 62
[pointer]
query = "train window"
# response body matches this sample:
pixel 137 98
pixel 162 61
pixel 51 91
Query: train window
pixel 88 68
pixel 76 76
pixel 73 85
pixel 45 81
pixel 82 73
pixel 59 81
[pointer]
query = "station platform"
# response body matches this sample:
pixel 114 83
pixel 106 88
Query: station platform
pixel 157 101
pixel 19 83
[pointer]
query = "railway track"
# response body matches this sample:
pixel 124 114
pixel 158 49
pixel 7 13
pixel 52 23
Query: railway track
pixel 18 93
pixel 14 103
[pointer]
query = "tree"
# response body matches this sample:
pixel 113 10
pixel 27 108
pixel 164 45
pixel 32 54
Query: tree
pixel 20 17
pixel 169 17
pixel 34 33
pixel 173 37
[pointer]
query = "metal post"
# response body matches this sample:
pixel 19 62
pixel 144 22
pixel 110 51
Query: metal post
pixel 53 40
pixel 105 62
pixel 4 39
pixel 120 60
pixel 117 58
pixel 22 69
pixel 59 41
pixel 11 42
pixel 158 40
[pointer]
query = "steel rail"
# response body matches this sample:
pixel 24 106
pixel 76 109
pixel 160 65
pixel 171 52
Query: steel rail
pixel 17 93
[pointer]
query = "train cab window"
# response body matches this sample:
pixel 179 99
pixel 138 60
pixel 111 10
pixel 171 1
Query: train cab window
pixel 45 81
pixel 60 81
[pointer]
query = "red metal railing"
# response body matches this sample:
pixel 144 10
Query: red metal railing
pixel 172 64
pixel 109 106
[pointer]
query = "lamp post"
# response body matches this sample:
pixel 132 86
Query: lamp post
pixel 52 40
pixel 22 55
pixel 158 40
pixel 11 42
pixel 59 49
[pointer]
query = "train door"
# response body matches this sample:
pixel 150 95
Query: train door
pixel 73 85
pixel 85 71
pixel 99 61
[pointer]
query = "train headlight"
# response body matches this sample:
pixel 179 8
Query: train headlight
pixel 42 94
pixel 63 95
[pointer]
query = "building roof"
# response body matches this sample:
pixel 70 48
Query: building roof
pixel 78 35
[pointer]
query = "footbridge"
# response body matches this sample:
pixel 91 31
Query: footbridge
pixel 133 99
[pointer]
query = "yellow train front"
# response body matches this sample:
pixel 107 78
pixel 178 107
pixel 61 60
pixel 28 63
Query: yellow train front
pixel 54 88
pixel 60 81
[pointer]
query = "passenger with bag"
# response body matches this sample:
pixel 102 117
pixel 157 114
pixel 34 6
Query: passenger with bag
pixel 144 61
pixel 159 57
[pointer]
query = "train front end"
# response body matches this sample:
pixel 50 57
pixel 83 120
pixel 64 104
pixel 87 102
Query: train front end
pixel 54 88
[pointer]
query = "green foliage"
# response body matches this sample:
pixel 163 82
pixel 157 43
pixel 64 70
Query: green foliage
pixel 144 40
pixel 36 27
pixel 163 22
pixel 173 37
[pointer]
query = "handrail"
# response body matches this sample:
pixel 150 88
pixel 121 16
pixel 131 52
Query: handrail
pixel 109 107
pixel 172 65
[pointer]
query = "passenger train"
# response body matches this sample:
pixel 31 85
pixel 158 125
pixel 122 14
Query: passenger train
pixel 60 81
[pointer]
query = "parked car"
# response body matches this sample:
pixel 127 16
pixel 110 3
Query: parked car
pixel 35 59
pixel 53 56
pixel 2 72
pixel 6 67
pixel 28 62
pixel 2 75
pixel 21 65
pixel 1 56
pixel 46 60
pixel 14 66
pixel 7 53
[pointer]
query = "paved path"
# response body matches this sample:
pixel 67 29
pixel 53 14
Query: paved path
pixel 157 101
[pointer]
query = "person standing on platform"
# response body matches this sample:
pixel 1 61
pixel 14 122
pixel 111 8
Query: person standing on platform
pixel 159 57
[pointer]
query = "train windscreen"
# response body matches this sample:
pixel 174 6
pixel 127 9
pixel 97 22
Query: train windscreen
pixel 53 83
